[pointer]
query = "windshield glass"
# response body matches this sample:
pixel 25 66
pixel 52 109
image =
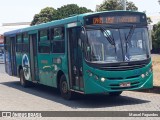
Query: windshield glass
pixel 136 47
pixel 117 45
pixel 101 49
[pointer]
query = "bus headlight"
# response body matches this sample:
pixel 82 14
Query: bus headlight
pixel 143 75
pixel 147 73
pixel 103 79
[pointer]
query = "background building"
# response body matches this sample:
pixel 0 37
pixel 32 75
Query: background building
pixel 8 27
pixel 11 26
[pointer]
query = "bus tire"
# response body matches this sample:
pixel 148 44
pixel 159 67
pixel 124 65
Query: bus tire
pixel 115 93
pixel 64 90
pixel 23 81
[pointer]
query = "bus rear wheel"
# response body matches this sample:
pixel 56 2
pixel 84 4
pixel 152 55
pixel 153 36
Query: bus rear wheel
pixel 115 93
pixel 23 81
pixel 64 90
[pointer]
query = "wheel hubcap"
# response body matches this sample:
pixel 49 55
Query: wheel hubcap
pixel 64 87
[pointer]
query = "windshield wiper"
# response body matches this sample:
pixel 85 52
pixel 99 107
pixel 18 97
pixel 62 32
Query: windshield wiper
pixel 130 34
pixel 108 36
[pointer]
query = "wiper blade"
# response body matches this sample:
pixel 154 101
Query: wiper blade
pixel 108 37
pixel 130 34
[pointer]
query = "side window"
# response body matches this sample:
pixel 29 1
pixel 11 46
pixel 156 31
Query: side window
pixel 25 42
pixel 25 38
pixel 57 40
pixel 43 35
pixel 44 42
pixel 7 43
pixel 19 38
pixel 19 43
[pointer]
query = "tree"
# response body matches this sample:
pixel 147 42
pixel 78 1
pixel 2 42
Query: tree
pixel 116 5
pixel 47 14
pixel 149 20
pixel 156 38
pixel 131 6
pixel 70 9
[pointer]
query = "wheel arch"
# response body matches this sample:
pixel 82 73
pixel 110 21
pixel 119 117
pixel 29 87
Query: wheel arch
pixel 59 75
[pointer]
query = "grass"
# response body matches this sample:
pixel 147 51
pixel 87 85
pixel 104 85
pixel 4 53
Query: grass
pixel 156 69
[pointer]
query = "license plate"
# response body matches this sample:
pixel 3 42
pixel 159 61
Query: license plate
pixel 125 84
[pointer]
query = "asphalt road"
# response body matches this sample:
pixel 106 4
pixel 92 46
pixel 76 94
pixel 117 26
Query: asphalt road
pixel 13 97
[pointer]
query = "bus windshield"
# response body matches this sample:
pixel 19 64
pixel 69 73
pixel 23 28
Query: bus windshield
pixel 110 45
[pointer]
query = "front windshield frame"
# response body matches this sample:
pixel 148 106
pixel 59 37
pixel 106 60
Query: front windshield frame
pixel 122 55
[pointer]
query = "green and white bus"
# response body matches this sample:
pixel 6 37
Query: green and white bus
pixel 92 53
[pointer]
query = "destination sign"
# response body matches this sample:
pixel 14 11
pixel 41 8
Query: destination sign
pixel 113 19
pixel 116 19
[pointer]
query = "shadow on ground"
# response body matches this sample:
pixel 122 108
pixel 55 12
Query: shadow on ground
pixel 82 101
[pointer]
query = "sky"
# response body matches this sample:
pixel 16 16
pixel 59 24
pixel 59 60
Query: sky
pixel 12 11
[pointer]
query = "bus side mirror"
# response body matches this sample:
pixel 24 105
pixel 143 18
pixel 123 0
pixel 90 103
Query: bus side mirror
pixel 82 39
pixel 82 36
pixel 88 49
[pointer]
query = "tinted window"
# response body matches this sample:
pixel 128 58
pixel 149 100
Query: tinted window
pixel 6 42
pixel 25 43
pixel 25 38
pixel 19 43
pixel 57 40
pixel 44 42
pixel 19 38
pixel 43 35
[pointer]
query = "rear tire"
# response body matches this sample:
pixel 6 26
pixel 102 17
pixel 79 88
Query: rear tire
pixel 65 92
pixel 115 93
pixel 23 81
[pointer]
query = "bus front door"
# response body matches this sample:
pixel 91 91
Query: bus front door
pixel 75 59
pixel 33 57
pixel 13 56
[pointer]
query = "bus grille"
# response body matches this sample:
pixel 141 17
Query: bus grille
pixel 123 68
pixel 120 78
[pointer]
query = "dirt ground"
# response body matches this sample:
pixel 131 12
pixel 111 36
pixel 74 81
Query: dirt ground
pixel 156 69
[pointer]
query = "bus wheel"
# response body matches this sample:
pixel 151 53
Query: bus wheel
pixel 65 92
pixel 115 93
pixel 23 81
